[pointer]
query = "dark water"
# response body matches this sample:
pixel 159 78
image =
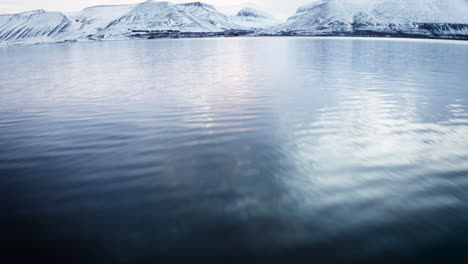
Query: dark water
pixel 287 150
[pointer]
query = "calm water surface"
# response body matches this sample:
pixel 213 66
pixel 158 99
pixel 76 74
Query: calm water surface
pixel 244 150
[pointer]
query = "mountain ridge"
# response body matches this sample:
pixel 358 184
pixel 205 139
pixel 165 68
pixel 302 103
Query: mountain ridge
pixel 428 18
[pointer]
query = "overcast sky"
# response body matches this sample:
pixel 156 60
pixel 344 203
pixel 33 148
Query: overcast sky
pixel 281 8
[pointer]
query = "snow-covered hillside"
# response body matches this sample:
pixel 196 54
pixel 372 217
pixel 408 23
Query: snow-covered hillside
pixel 152 19
pixel 32 27
pixel 152 15
pixel 121 21
pixel 255 18
pixel 209 14
pixel 383 15
pixel 93 20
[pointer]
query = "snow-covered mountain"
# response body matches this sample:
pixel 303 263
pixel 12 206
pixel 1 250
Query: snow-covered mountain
pixel 120 21
pixel 209 14
pixel 94 20
pixel 104 22
pixel 416 16
pixel 152 15
pixel 255 18
pixel 32 27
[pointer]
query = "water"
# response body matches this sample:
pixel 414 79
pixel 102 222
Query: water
pixel 286 150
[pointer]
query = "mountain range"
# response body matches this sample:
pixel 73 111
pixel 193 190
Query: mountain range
pixel 417 18
pixel 431 18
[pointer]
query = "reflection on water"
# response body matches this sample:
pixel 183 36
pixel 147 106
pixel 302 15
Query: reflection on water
pixel 259 149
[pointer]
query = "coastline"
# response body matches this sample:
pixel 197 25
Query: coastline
pixel 191 35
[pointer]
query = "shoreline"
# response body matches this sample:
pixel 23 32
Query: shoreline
pixel 398 36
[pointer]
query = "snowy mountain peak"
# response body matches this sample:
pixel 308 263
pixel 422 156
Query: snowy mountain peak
pixel 310 6
pixel 199 4
pixel 255 18
pixel 33 12
pixel 254 13
pixel 209 15
pixel 151 5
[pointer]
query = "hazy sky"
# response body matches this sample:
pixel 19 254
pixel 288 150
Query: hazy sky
pixel 281 8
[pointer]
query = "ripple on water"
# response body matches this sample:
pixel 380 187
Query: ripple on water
pixel 254 145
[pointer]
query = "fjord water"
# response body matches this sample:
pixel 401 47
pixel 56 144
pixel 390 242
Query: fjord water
pixel 310 150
